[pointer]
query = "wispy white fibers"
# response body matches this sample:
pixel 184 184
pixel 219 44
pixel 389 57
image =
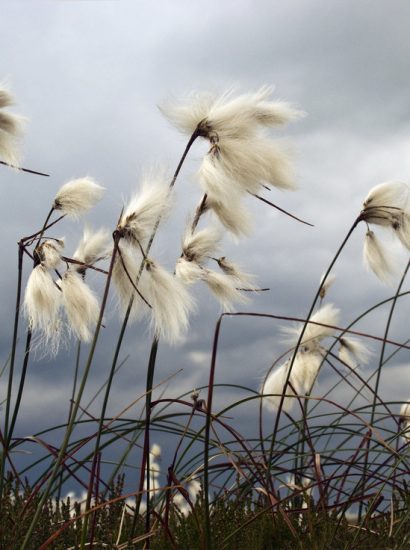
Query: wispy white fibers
pixel 199 246
pixel 170 301
pixel 326 315
pixel 388 205
pixel 150 203
pixel 224 289
pixel 226 114
pixel 231 213
pixel 78 196
pixel 234 271
pixel 378 258
pixel 11 129
pixel 42 302
pixel 49 253
pixel 274 384
pixel 330 279
pixel 81 305
pixel 302 377
pixel 242 158
pixel 405 418
pixel 353 352
pixel 93 246
pixel 308 359
pixel 126 267
pixel 189 272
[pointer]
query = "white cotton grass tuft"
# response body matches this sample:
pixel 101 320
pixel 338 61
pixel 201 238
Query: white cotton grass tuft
pixel 155 451
pixel 379 259
pixel 233 270
pixel 302 378
pixel 199 246
pixel 385 196
pixel 228 115
pixel 326 315
pixel 49 253
pixel 223 288
pixel 126 261
pixel 93 246
pixel 170 301
pixel 388 205
pixel 80 304
pixel 148 205
pixel 189 272
pixel 259 161
pixel 352 352
pixel 77 196
pixel 274 385
pixel 11 129
pixel 232 214
pixel 330 279
pixel 405 419
pixel 42 302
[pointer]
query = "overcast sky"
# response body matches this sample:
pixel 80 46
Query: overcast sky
pixel 89 76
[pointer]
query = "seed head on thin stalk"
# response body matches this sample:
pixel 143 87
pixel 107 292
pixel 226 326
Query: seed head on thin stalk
pixel 232 214
pixel 235 271
pixel 149 204
pixel 171 303
pixel 229 116
pixel 379 259
pixel 199 246
pixel 224 289
pixel 241 158
pixel 326 315
pixel 42 301
pixel 386 205
pixel 11 129
pixel 49 253
pixel 353 352
pixel 324 288
pixel 405 421
pixel 77 196
pixel 93 246
pixel 80 304
pixel 306 363
pixel 125 274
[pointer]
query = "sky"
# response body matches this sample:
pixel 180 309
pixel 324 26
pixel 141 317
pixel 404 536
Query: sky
pixel 89 76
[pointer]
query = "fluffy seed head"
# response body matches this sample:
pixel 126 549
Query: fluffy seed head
pixel 199 246
pixel 330 279
pixel 81 305
pixel 405 418
pixel 171 303
pixel 78 196
pixel 49 253
pixel 127 266
pixel 234 271
pixel 11 129
pixel 353 352
pixel 188 272
pixel 378 259
pixel 232 214
pixel 42 301
pixel 388 205
pixel 223 288
pixel 93 246
pixel 228 115
pixel 326 315
pixel 147 206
